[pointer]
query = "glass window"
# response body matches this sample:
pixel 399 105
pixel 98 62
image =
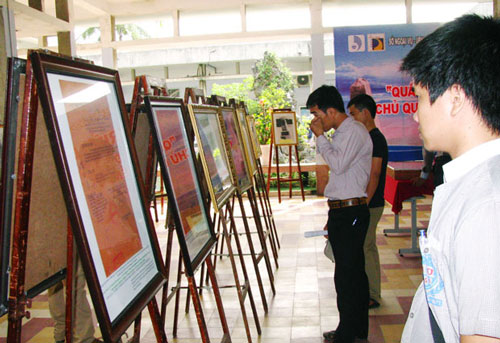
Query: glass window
pixel 363 12
pixel 278 17
pixel 426 11
pixel 143 28
pixel 209 22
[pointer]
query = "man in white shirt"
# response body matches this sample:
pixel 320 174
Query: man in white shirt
pixel 456 73
pixel 349 157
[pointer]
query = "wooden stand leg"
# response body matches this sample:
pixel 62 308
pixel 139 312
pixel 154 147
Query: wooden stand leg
pixel 263 234
pixel 290 172
pixel 267 209
pixel 70 283
pixel 17 295
pixel 159 329
pixel 168 259
pixel 177 296
pixel 246 287
pixel 268 184
pixel 253 255
pixel 300 172
pixel 278 179
pixel 218 300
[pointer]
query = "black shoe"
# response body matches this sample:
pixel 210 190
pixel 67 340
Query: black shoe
pixel 334 337
pixel 373 303
pixel 330 335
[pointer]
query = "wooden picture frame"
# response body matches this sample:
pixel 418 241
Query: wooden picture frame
pixel 284 126
pixel 242 168
pixel 170 126
pixel 254 136
pixel 247 140
pixel 98 169
pixel 207 125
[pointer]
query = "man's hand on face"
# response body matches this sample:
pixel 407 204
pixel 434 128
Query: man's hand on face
pixel 317 126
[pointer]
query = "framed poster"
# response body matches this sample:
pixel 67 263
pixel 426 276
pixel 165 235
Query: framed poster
pixel 284 126
pixel 247 140
pixel 169 121
pixel 236 145
pixel 254 137
pixel 207 125
pixel 98 169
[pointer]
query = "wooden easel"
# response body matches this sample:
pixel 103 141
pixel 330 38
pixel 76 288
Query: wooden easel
pixel 278 178
pixel 25 172
pixel 192 287
pixel 18 295
pixel 195 96
pixel 263 255
pixel 142 86
pixel 263 197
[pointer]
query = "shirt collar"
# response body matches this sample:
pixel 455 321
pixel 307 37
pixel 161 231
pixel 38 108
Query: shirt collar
pixel 344 125
pixel 470 160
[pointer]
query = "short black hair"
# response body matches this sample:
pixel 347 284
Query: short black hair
pixel 326 97
pixel 464 52
pixel 363 101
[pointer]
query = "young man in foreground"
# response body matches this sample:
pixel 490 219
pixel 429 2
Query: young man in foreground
pixel 456 74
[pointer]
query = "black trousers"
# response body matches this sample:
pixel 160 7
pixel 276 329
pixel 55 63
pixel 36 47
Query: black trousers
pixel 347 229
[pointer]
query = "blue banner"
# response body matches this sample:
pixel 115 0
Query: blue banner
pixel 367 60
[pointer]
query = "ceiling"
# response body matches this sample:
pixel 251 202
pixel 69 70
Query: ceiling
pixel 90 10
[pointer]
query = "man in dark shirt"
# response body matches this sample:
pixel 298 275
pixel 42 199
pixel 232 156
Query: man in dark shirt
pixel 363 109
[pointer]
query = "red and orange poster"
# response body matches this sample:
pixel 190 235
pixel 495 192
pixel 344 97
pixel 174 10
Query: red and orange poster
pixel 102 176
pixel 180 169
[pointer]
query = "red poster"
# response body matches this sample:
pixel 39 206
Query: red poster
pixel 102 176
pixel 180 168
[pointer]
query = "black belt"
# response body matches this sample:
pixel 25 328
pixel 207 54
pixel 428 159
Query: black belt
pixel 346 202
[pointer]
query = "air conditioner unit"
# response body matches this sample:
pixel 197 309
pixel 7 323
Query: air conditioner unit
pixel 303 80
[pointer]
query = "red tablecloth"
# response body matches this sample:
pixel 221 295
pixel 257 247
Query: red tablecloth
pixel 397 191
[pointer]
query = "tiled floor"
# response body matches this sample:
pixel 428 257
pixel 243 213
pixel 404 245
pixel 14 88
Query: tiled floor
pixel 304 305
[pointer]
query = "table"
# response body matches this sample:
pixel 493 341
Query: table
pixel 399 188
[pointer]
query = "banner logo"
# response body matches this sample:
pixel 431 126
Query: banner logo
pixel 376 42
pixel 356 43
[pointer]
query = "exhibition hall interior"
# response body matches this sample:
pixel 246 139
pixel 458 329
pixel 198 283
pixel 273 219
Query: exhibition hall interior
pixel 160 180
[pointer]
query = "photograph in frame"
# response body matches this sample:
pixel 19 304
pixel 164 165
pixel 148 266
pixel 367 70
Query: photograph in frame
pixel 254 135
pixel 86 118
pixel 212 147
pixel 284 125
pixel 182 179
pixel 243 171
pixel 247 140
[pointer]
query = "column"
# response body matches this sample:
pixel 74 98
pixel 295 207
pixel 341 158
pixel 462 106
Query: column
pixel 66 39
pixel 317 45
pixel 7 49
pixel 107 25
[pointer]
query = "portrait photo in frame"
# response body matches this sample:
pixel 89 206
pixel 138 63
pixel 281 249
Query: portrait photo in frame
pixel 254 136
pixel 207 126
pixel 247 140
pixel 242 169
pixel 169 121
pixel 284 126
pixel 86 118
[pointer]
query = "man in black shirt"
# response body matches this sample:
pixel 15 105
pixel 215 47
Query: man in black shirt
pixel 363 109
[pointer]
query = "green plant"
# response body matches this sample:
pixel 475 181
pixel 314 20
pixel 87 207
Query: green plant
pixel 122 30
pixel 272 86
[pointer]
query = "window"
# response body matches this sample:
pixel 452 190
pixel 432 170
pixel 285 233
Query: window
pixel 278 17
